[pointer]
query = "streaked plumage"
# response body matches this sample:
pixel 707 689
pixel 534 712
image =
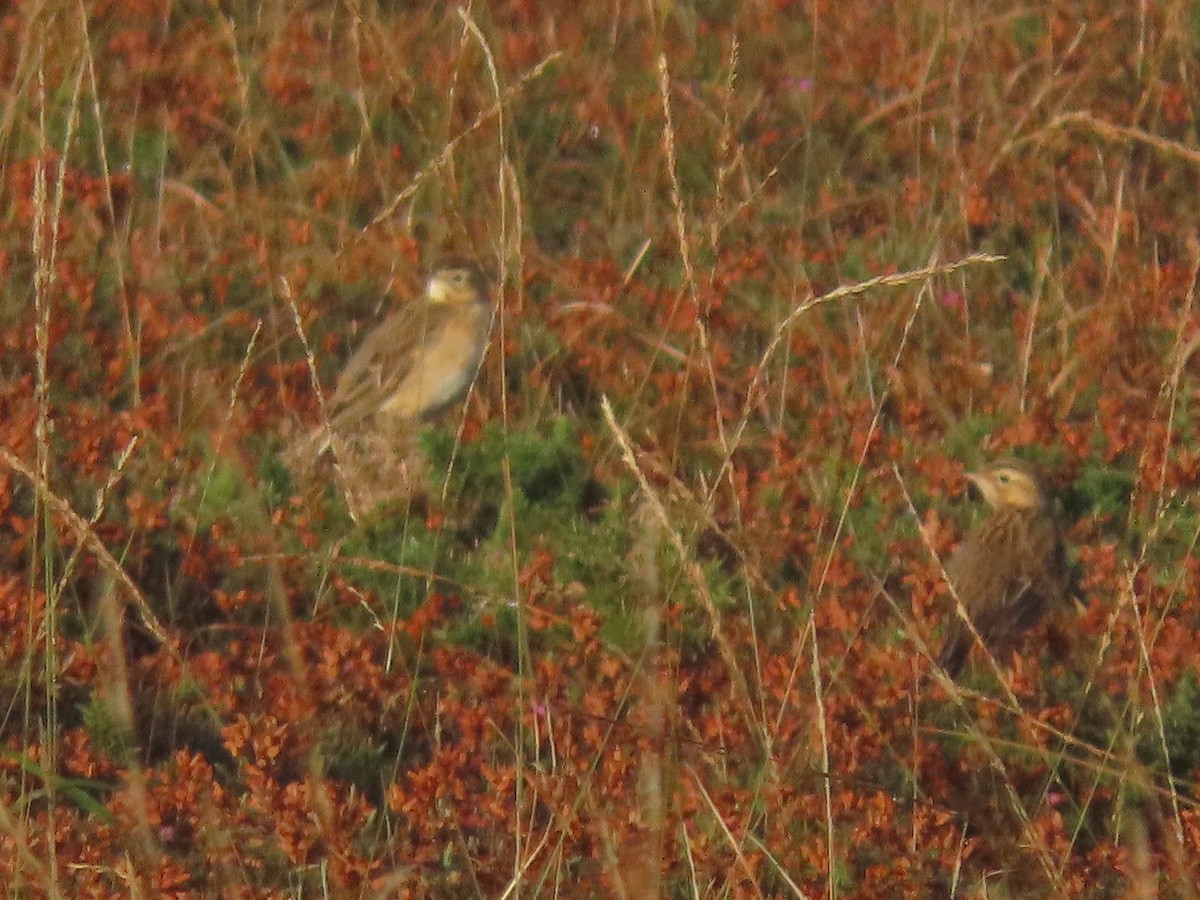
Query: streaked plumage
pixel 418 360
pixel 1011 568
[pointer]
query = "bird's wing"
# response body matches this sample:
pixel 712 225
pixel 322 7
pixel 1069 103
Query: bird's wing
pixel 1015 610
pixel 989 579
pixel 955 649
pixel 1007 572
pixel 1052 575
pixel 450 355
pixel 386 357
pixel 960 573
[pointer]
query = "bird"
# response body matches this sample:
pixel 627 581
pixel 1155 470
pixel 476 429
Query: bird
pixel 1011 569
pixel 417 361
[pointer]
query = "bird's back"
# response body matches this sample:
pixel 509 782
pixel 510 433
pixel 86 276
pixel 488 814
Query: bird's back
pixel 1008 572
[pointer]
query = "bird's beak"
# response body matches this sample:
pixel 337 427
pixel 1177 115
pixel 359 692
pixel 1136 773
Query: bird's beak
pixel 982 486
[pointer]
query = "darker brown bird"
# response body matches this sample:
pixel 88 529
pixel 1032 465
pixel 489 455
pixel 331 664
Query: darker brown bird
pixel 1011 568
pixel 419 360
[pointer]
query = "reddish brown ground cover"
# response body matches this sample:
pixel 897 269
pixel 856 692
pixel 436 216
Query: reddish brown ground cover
pixel 658 621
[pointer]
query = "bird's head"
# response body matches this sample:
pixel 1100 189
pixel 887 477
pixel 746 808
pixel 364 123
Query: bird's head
pixel 456 282
pixel 1009 483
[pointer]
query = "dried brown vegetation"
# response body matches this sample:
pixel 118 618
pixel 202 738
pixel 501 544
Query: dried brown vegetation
pixel 769 276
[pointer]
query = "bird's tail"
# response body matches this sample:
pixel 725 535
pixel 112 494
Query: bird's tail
pixel 304 450
pixel 318 440
pixel 955 651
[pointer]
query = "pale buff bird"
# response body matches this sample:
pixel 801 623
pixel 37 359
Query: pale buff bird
pixel 417 361
pixel 1011 568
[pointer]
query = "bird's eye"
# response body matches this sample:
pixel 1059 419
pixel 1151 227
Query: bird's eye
pixel 1002 477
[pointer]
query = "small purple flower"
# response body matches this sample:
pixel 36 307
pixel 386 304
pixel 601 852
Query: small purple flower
pixel 953 300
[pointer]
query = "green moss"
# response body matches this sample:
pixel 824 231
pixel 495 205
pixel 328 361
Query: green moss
pixel 1027 32
pixel 471 555
pixel 110 737
pixel 594 553
pixel 548 474
pixel 404 541
pixel 1181 725
pixel 352 756
pixel 1100 489
pixel 148 158
pixel 275 479
pixel 963 439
